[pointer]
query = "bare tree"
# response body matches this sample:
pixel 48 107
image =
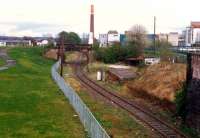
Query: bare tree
pixel 136 37
pixel 137 34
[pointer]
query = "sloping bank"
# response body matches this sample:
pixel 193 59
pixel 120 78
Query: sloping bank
pixel 31 104
pixel 93 127
pixel 5 61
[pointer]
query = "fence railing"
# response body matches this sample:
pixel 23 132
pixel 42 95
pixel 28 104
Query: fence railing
pixel 94 129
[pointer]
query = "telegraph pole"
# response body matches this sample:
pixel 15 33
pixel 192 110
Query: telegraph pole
pixel 154 41
pixel 62 55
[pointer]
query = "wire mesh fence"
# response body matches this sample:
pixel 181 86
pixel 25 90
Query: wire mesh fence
pixel 93 127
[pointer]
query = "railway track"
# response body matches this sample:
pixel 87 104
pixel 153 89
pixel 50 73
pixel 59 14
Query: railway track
pixel 159 126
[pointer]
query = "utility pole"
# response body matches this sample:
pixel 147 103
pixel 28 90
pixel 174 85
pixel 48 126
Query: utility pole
pixel 154 41
pixel 62 55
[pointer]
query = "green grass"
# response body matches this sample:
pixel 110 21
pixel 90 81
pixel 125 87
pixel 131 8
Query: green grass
pixel 116 121
pixel 31 105
pixel 2 62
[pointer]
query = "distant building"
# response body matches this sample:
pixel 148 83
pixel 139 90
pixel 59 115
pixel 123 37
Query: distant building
pixel 195 26
pixel 42 42
pixel 103 40
pixel 191 34
pixel 150 37
pixel 91 38
pixel 85 38
pixel 2 44
pixel 163 37
pixel 187 35
pixel 181 40
pixel 173 38
pixel 122 39
pixel 129 35
pixel 13 41
pixel 113 37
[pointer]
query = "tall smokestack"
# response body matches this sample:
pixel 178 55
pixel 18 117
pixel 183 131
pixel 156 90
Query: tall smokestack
pixel 91 41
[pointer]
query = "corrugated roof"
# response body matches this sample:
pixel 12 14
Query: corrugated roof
pixel 195 24
pixel 122 74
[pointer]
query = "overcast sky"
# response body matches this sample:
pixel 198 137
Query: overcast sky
pixel 37 17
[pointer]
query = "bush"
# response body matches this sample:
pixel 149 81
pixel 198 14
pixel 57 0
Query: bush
pixel 133 50
pixel 180 102
pixel 162 50
pixel 116 53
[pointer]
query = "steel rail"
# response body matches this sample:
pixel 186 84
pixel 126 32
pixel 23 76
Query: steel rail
pixel 160 126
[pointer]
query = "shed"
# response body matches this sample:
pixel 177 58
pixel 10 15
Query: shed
pixel 120 74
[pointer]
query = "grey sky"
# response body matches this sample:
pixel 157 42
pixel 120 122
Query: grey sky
pixel 37 17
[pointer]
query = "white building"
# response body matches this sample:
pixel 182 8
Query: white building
pixel 187 35
pixel 103 40
pixel 91 38
pixel 163 37
pixel 196 36
pixel 173 38
pixel 2 44
pixel 113 37
pixel 42 43
pixel 192 34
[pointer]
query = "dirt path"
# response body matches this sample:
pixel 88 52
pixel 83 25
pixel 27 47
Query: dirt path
pixel 7 59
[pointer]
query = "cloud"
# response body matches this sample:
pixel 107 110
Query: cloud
pixel 31 28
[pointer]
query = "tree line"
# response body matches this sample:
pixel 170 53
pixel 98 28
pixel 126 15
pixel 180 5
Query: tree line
pixel 136 45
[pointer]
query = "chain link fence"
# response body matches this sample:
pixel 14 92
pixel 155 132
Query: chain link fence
pixel 90 123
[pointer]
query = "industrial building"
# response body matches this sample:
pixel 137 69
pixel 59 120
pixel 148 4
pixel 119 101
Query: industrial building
pixel 103 40
pixel 113 37
pixel 191 35
pixel 172 38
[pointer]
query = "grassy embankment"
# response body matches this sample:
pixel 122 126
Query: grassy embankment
pixel 2 62
pixel 116 121
pixel 31 105
pixel 155 88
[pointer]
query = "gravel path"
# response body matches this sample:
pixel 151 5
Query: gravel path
pixel 9 61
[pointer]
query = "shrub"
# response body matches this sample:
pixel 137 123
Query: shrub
pixel 116 53
pixel 180 102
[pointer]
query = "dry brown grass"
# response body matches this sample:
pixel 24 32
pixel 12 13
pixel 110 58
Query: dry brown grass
pixel 51 54
pixel 161 81
pixel 116 121
pixel 73 56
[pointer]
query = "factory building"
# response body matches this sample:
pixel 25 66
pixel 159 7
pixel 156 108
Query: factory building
pixel 103 40
pixel 113 37
pixel 191 35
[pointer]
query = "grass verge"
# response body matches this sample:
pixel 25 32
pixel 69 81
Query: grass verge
pixel 2 62
pixel 31 105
